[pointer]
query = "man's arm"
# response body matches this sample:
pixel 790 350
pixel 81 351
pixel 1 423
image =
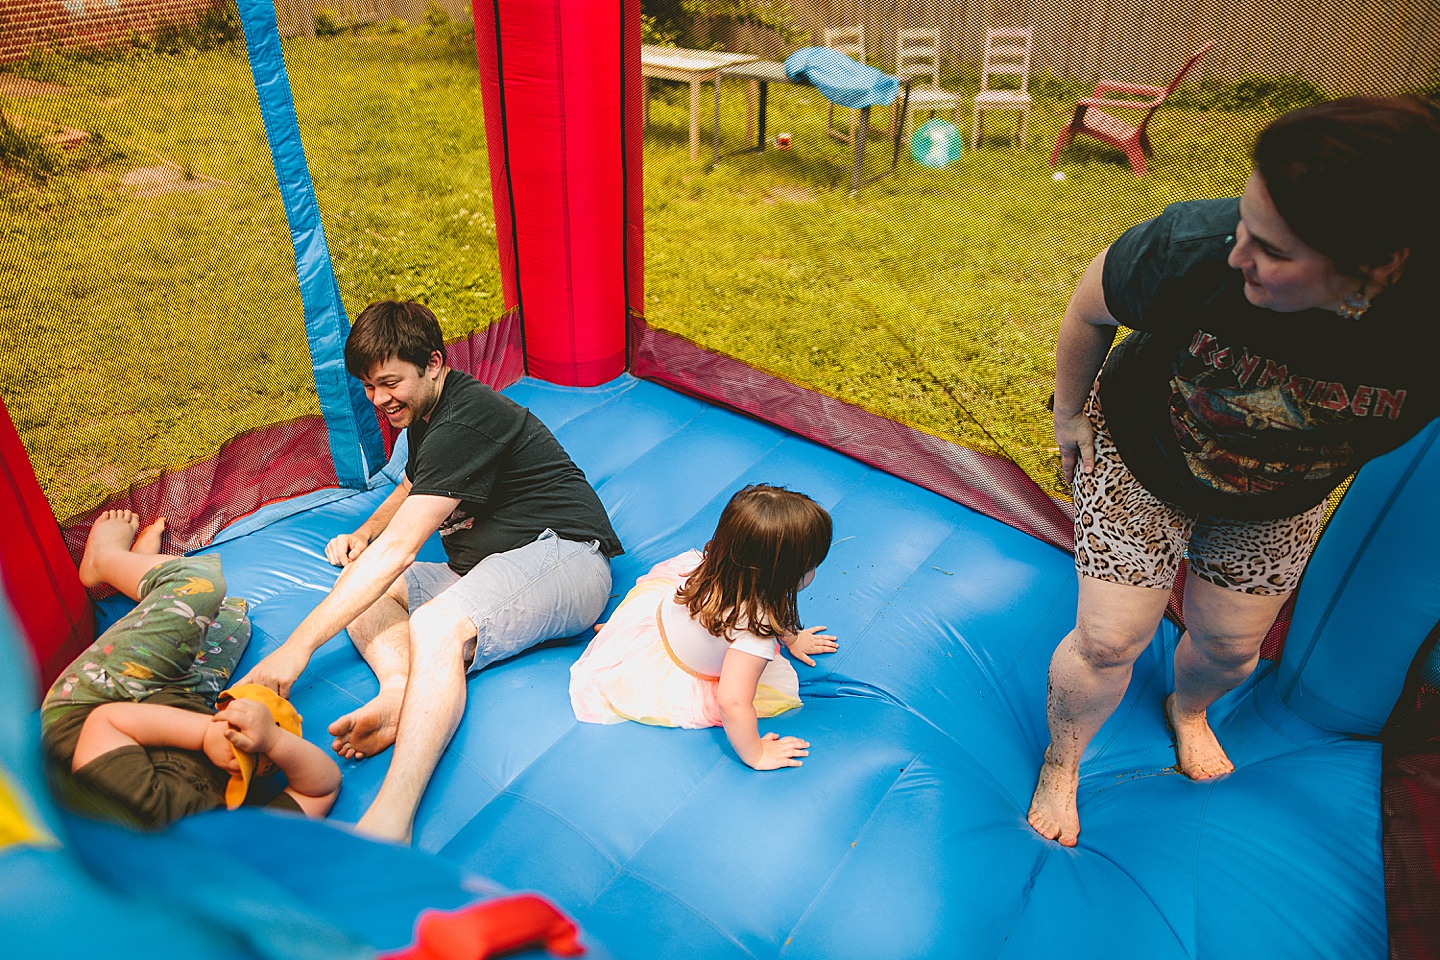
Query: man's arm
pixel 345 548
pixel 360 584
pixel 1086 333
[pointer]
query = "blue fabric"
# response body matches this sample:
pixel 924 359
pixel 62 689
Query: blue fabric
pixel 843 81
pixel 354 434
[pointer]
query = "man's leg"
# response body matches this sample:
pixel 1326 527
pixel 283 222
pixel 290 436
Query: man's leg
pixel 510 601
pixel 1089 672
pixel 382 636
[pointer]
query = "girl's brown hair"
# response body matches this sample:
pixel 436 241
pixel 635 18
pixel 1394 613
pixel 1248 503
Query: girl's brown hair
pixel 768 538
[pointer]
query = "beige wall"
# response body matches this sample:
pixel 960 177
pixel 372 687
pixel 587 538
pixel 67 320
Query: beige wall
pixel 1341 46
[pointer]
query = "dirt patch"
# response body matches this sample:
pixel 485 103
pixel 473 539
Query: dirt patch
pixel 154 181
pixel 785 193
pixel 19 87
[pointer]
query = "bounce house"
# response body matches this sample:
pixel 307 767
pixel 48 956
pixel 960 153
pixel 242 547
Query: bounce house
pixel 949 582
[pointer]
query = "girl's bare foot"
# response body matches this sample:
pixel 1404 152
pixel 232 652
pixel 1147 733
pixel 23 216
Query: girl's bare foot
pixel 370 729
pixel 1198 753
pixel 113 531
pixel 1053 811
pixel 148 540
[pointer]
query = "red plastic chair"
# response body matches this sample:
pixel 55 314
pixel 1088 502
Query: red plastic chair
pixel 1093 121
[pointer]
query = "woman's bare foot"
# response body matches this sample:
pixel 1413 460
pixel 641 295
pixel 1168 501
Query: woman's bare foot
pixel 148 540
pixel 112 532
pixel 370 729
pixel 1198 753
pixel 1053 811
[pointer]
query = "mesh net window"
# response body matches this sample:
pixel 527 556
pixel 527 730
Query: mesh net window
pixel 151 308
pixel 388 98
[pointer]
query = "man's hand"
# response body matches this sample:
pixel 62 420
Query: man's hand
pixel 278 671
pixel 777 751
pixel 343 550
pixel 1075 436
pixel 250 726
pixel 809 641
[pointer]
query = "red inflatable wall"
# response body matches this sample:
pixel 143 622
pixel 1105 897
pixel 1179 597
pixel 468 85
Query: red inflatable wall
pixel 39 578
pixel 561 87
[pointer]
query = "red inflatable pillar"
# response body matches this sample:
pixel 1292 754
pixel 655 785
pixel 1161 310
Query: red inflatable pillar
pixel 39 578
pixel 561 86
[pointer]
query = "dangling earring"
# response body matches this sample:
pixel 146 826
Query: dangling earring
pixel 1354 305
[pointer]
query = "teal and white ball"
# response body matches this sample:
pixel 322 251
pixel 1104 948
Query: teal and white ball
pixel 936 143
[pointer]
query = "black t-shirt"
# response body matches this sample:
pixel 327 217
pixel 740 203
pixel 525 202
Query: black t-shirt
pixel 510 474
pixel 146 787
pixel 1221 407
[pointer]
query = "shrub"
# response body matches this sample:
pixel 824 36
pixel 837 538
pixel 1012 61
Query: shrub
pixel 328 23
pixel 435 16
pixel 27 153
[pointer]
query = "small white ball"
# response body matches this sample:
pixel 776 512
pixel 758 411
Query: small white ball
pixel 1058 175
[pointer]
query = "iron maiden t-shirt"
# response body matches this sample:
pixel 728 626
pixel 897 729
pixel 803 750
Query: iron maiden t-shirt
pixel 1224 408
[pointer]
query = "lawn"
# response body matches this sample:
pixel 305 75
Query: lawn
pixel 932 296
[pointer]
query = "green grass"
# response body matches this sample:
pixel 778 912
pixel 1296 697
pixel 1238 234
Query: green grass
pixel 931 297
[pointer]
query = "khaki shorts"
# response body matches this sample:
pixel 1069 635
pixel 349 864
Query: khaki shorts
pixel 1125 535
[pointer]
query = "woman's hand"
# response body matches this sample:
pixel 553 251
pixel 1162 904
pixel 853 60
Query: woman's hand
pixel 777 751
pixel 809 641
pixel 1075 436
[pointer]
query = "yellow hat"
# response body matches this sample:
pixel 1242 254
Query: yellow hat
pixel 284 715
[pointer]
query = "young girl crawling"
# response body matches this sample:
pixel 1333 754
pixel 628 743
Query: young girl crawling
pixel 696 642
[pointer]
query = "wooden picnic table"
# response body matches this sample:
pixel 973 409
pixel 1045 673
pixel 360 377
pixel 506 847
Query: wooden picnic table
pixel 688 66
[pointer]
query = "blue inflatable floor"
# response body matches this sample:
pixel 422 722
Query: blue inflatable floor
pixel 904 834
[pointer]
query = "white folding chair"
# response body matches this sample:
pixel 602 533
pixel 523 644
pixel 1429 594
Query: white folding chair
pixel 917 57
pixel 1007 54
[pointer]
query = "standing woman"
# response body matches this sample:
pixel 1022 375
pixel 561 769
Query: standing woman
pixel 1280 342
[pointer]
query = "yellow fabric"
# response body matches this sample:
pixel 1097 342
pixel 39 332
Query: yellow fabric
pixel 770 702
pixel 285 715
pixel 18 823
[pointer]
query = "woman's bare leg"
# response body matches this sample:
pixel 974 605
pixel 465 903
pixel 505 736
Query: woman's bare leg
pixel 1217 652
pixel 1089 672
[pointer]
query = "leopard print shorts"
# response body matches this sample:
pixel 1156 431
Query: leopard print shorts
pixel 1125 535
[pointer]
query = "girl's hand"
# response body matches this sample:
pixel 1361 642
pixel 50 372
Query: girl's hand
pixel 777 751
pixel 809 641
pixel 1075 435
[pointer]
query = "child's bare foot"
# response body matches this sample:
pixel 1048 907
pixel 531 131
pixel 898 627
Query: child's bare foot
pixel 1198 753
pixel 148 540
pixel 1053 811
pixel 113 531
pixel 370 729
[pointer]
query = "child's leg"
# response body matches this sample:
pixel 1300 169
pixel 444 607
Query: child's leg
pixel 221 648
pixel 114 555
pixel 154 645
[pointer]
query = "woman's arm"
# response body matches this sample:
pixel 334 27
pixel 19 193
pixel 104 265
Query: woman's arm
pixel 311 778
pixel 739 679
pixel 111 726
pixel 1086 333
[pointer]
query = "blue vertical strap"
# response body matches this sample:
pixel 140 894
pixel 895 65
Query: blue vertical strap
pixel 355 443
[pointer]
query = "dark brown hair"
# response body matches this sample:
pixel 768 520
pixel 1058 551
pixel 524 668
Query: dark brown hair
pixel 1355 177
pixel 388 329
pixel 768 538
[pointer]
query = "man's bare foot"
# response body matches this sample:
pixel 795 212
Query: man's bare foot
pixel 112 531
pixel 1053 811
pixel 379 824
pixel 1198 753
pixel 148 540
pixel 370 729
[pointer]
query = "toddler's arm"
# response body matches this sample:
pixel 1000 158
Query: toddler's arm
pixel 111 726
pixel 739 679
pixel 311 778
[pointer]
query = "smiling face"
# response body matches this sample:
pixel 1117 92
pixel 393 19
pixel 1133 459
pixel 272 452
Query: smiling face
pixel 1282 272
pixel 402 391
